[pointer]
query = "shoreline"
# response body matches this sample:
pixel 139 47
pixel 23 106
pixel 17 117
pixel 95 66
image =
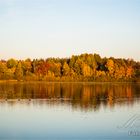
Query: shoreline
pixel 90 82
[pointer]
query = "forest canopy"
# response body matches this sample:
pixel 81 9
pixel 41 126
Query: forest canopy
pixel 84 67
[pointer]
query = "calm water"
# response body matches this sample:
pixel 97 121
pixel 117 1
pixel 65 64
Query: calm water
pixel 70 111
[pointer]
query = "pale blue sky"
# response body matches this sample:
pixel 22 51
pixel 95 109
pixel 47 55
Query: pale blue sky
pixel 59 28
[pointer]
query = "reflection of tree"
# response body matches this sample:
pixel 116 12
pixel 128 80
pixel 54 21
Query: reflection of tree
pixel 79 95
pixel 110 97
pixel 129 92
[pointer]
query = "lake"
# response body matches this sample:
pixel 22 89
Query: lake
pixel 69 111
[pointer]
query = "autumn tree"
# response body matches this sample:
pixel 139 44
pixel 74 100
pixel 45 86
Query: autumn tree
pixel 66 69
pixel 27 66
pixel 19 71
pixel 78 66
pixel 11 63
pixel 110 66
pixel 3 70
pixel 86 70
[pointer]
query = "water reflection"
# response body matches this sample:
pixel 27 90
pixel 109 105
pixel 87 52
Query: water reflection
pixel 85 96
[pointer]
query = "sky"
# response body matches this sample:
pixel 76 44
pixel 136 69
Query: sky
pixel 62 28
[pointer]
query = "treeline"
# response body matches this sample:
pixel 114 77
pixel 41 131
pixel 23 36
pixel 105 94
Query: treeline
pixel 84 67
